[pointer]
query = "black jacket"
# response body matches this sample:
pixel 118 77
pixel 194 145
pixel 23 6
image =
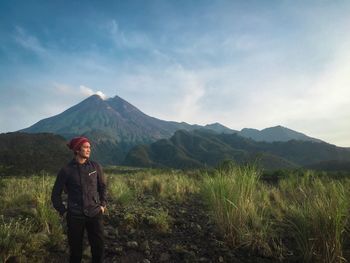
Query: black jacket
pixel 85 185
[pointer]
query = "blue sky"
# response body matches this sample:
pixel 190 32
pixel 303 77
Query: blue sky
pixel 242 63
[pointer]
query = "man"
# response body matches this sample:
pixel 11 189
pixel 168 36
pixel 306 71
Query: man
pixel 85 184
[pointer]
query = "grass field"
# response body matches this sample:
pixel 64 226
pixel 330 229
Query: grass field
pixel 303 217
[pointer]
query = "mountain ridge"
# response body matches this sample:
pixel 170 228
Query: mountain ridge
pixel 115 126
pixel 275 133
pixel 198 149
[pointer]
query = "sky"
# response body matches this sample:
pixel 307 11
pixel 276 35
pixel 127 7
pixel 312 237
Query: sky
pixel 243 64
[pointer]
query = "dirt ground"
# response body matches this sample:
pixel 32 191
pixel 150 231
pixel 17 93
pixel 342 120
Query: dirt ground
pixel 193 237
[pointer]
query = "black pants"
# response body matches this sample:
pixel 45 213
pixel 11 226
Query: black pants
pixel 94 227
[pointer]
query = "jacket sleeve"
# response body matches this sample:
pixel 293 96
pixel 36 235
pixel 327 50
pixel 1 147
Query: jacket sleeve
pixel 56 195
pixel 101 185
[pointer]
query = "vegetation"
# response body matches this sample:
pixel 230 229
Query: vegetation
pixel 14 236
pixel 27 154
pixel 239 205
pixel 316 213
pixel 164 184
pixel 302 216
pixel 203 148
pixel 29 225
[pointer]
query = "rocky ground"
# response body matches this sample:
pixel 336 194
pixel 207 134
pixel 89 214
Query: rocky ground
pixel 191 237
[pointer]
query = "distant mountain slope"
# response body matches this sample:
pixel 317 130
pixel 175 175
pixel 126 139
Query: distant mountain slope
pixel 115 126
pixel 219 128
pixel 115 118
pixel 277 133
pixel 25 154
pixel 201 148
pixel 332 165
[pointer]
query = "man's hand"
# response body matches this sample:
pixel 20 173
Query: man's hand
pixel 103 209
pixel 63 216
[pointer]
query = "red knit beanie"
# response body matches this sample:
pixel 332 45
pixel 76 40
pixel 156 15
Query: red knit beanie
pixel 76 143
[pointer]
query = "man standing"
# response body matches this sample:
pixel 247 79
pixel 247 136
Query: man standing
pixel 85 184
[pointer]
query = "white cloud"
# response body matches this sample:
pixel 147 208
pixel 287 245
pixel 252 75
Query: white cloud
pixel 89 92
pixel 28 41
pixel 63 89
pixel 132 40
pixel 81 92
pixel 86 91
pixel 243 70
pixel 190 91
pixel 171 92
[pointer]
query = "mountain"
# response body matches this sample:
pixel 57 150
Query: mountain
pixel 200 148
pixel 331 165
pixel 219 128
pixel 277 133
pixel 115 118
pixel 113 125
pixel 26 154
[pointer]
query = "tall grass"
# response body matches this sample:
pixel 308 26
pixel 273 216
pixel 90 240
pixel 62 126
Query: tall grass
pixel 169 186
pixel 159 184
pixel 47 218
pixel 29 197
pixel 239 208
pixel 14 237
pixel 303 215
pixel 316 216
pixel 119 191
pixel 309 214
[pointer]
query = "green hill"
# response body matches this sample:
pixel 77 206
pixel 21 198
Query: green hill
pixel 273 134
pixel 332 165
pixel 200 148
pixel 25 154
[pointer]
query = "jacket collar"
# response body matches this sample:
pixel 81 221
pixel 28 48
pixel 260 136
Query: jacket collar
pixel 74 162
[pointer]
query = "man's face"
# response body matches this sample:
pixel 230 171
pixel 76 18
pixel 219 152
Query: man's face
pixel 84 150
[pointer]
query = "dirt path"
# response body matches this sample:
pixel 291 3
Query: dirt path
pixel 192 238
